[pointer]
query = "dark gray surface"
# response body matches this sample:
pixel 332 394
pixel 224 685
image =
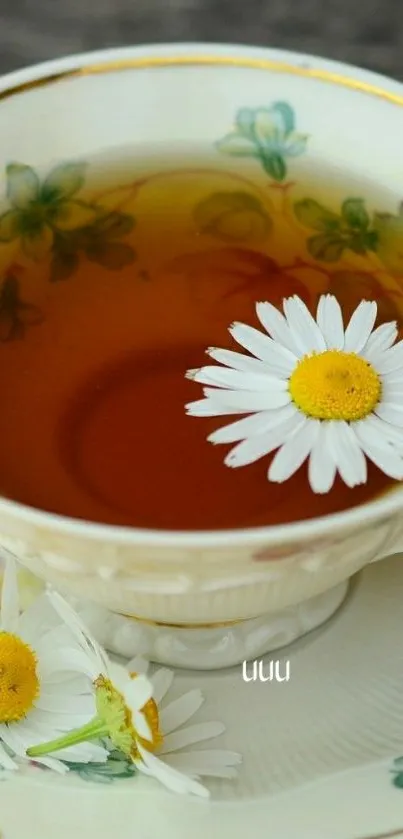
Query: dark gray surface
pixel 364 32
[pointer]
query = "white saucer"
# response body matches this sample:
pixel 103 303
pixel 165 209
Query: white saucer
pixel 321 751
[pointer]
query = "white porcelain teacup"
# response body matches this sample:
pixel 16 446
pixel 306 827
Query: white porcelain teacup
pixel 205 599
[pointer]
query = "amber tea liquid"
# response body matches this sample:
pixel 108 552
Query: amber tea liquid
pixel 93 357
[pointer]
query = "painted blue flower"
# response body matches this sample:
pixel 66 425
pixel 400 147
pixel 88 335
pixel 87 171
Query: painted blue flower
pixel 267 134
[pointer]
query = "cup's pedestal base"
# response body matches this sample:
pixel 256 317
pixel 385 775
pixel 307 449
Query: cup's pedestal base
pixel 216 646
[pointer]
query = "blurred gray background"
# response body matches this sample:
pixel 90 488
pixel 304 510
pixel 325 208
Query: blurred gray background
pixel 364 32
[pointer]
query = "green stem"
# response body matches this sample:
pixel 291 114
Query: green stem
pixel 93 730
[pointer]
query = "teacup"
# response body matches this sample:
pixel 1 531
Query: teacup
pixel 203 599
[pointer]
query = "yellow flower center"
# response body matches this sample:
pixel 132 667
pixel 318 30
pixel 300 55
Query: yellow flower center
pixel 19 683
pixel 112 708
pixel 335 385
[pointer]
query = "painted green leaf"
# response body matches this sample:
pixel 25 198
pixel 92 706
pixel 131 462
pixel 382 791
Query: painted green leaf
pixel 326 248
pixel 116 767
pixel 22 185
pixel 389 245
pixel 354 213
pixel 64 263
pixel 312 214
pixel 274 165
pixel 398 780
pixel 9 226
pixel 237 146
pixel 244 122
pixel 15 314
pixel 268 127
pixel 232 216
pixel 297 145
pixel 38 243
pixel 111 255
pixel 63 181
pixel 69 215
pixel 284 110
pixel 114 225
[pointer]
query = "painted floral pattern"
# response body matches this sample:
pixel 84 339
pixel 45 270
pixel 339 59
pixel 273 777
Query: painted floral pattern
pixel 16 314
pixel 54 221
pixel 51 220
pixel 116 768
pixel 267 134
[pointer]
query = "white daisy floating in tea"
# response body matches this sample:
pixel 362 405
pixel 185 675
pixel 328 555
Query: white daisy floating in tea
pixel 312 389
pixel 130 717
pixel 44 687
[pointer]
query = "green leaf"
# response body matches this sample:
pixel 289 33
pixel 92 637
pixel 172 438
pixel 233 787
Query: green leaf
pixel 312 214
pixel 63 265
pixel 274 165
pixel 286 112
pixel 22 185
pixel 9 226
pixel 111 255
pixel 326 248
pixel 237 146
pixel 115 225
pixel 354 213
pixel 63 182
pixel 232 216
pixel 398 780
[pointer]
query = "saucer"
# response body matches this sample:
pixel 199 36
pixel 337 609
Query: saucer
pixel 322 751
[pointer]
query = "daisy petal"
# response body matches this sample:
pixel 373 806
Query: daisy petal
pixel 6 761
pixel 390 412
pixel 142 727
pixel 242 399
pixel 181 710
pixel 254 448
pixel 360 326
pixel 9 605
pixel 235 379
pixel 384 456
pixel 294 451
pixel 161 682
pixel 276 325
pixel 78 628
pixel 137 690
pixel 138 665
pixel 193 734
pixel 330 321
pixel 169 777
pixel 384 430
pixel 305 330
pixel 346 453
pixel 322 468
pixel 391 359
pixel 253 425
pixel 392 391
pixel 55 702
pixel 237 360
pixel 209 408
pixel 381 339
pixel 280 359
pixel 52 763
